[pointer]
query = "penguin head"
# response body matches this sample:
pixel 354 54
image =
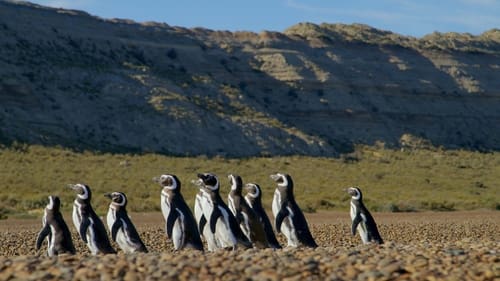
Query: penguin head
pixel 355 193
pixel 169 182
pixel 284 181
pixel 208 181
pixel 118 199
pixel 236 183
pixel 54 203
pixel 82 191
pixel 253 190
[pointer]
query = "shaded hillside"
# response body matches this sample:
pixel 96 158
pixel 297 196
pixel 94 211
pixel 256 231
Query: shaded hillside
pixel 68 78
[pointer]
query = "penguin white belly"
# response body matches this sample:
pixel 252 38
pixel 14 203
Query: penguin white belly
pixel 121 237
pixel 91 238
pixel 286 229
pixel 165 205
pixel 363 233
pixel 205 232
pixel 123 240
pixel 289 230
pixel 52 242
pixel 77 220
pixel 76 216
pixel 178 231
pixel 276 205
pixel 245 226
pixel 223 232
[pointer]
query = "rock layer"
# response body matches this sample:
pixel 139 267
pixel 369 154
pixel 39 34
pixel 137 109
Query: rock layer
pixel 71 79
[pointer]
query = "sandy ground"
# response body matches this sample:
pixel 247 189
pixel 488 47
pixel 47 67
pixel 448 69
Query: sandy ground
pixel 418 246
pixel 320 217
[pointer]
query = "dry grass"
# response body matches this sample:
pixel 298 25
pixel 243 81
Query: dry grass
pixel 391 180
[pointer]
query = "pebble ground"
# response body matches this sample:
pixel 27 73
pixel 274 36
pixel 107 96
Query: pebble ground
pixel 419 246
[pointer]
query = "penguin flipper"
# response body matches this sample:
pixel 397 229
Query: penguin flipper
pixel 357 219
pixel 43 233
pixel 84 225
pixel 280 217
pixel 172 216
pixel 114 229
pixel 202 223
pixel 213 219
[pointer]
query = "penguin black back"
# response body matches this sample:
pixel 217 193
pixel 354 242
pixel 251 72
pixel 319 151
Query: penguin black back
pixel 246 217
pixel 56 229
pixel 254 200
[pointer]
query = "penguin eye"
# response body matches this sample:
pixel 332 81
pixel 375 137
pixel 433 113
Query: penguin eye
pixel 170 181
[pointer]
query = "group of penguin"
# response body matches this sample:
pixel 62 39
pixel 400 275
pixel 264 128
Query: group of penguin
pixel 242 223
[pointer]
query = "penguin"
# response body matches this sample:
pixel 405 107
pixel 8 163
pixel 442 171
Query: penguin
pixel 254 200
pixel 180 224
pixel 120 226
pixel 288 216
pixel 88 225
pixel 362 220
pixel 56 230
pixel 245 216
pixel 219 218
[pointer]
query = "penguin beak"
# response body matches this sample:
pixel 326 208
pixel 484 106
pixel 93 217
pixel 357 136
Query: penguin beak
pixel 197 183
pixel 72 186
pixel 108 195
pixel 274 177
pixel 350 191
pixel 156 179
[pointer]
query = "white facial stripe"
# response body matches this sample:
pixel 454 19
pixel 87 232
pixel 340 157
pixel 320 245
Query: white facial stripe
pixel 123 201
pixel 50 206
pixel 357 196
pixel 213 188
pixel 285 181
pixel 85 194
pixel 233 182
pixel 257 191
pixel 170 187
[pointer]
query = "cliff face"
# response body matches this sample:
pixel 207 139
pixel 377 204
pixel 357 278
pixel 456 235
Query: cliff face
pixel 71 79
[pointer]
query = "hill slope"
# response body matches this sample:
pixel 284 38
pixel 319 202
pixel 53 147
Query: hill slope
pixel 68 78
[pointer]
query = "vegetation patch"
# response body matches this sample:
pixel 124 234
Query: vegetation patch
pixel 391 180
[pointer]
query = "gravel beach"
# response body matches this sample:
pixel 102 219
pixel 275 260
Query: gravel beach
pixel 418 246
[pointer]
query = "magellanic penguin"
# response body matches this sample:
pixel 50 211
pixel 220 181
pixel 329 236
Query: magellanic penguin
pixel 289 219
pixel 120 226
pixel 219 218
pixel 56 230
pixel 254 200
pixel 180 224
pixel 88 225
pixel 362 220
pixel 245 216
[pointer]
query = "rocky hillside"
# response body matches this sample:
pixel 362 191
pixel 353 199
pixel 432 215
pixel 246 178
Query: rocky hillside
pixel 71 79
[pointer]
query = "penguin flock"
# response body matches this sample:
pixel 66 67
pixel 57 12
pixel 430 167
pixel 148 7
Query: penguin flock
pixel 242 223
